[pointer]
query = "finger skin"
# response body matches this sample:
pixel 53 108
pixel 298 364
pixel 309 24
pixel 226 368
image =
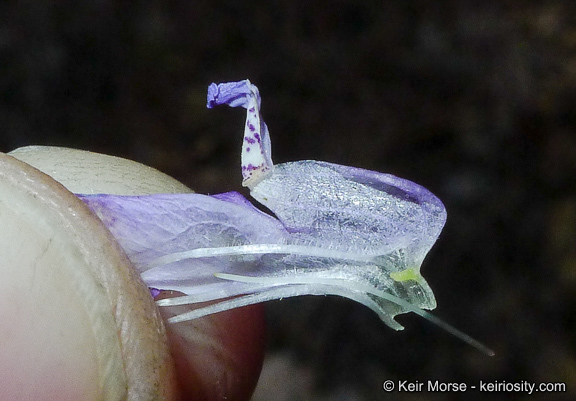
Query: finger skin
pixel 217 356
pixel 48 346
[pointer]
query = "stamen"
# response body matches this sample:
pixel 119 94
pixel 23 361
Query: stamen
pixel 367 289
pixel 258 249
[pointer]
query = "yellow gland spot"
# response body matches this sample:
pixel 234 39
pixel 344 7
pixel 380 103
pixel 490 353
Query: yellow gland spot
pixel 405 275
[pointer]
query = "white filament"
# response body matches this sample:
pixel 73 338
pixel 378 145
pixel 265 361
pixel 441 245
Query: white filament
pixel 258 249
pixel 296 286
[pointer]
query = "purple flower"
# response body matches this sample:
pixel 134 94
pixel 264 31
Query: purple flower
pixel 337 230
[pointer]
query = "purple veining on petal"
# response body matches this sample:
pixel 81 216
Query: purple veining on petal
pixel 335 224
pixel 153 226
pixel 356 208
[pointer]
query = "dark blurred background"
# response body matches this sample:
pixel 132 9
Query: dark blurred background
pixel 475 102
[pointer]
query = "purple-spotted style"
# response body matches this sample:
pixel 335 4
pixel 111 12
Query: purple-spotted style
pixel 256 158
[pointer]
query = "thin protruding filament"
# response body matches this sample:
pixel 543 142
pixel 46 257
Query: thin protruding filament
pixel 362 287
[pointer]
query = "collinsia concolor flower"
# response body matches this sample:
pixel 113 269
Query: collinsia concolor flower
pixel 337 230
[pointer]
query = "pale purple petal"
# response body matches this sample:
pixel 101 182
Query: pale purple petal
pixel 153 226
pixel 341 230
pixel 353 209
pixel 336 225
